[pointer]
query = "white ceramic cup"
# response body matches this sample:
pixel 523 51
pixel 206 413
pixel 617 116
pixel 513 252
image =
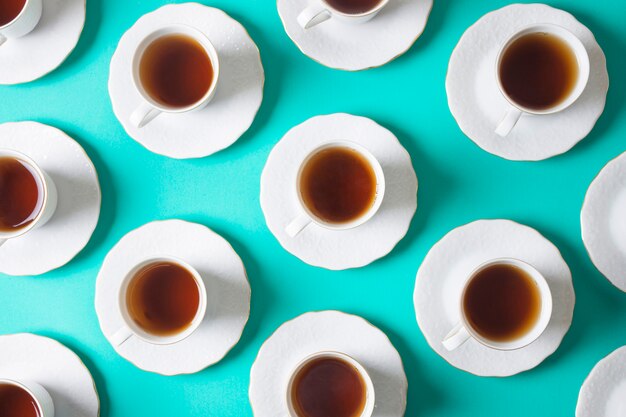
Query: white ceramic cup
pixel 37 392
pixel 307 217
pixel 132 329
pixel 149 108
pixel 49 198
pixel 24 22
pixel 517 110
pixel 320 11
pixel 370 398
pixel 463 331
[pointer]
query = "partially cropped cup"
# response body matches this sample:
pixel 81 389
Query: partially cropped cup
pixel 162 301
pixel 343 10
pixel 340 185
pixel 18 18
pixel 505 304
pixel 18 397
pixel 175 70
pixel 541 69
pixel 330 383
pixel 28 196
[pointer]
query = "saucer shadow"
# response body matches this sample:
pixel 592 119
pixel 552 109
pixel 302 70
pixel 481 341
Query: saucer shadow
pixel 433 186
pixel 261 296
pixel 107 208
pixel 273 70
pixel 613 46
pixel 422 396
pixel 97 376
pixel 595 297
pixel 434 25
pixel 86 41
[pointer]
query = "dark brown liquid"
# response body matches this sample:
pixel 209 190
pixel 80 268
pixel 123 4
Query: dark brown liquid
pixel 176 71
pixel 163 298
pixel 538 71
pixel 354 6
pixel 338 185
pixel 21 194
pixel 9 10
pixel 328 387
pixel 502 303
pixel 17 402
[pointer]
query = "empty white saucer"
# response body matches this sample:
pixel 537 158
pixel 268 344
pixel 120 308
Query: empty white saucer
pixel 354 47
pixel 238 95
pixel 603 221
pixel 78 209
pixel 333 249
pixel 224 276
pixel 447 265
pixel 478 106
pixel 327 331
pixel 603 393
pixel 47 362
pixel 45 48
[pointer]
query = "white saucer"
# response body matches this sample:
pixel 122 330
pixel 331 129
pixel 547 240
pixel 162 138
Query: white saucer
pixel 347 248
pixel 441 277
pixel 78 209
pixel 603 221
pixel 603 393
pixel 55 367
pixel 237 99
pixel 354 47
pixel 225 280
pixel 478 106
pixel 45 48
pixel 324 331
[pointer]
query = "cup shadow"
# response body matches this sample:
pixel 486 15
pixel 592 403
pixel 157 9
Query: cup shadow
pixel 261 297
pixel 593 294
pixel 93 19
pixel 107 209
pixel 433 185
pixel 422 396
pixel 273 74
pixel 613 48
pixel 97 376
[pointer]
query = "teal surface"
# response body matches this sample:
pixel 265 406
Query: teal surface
pixel 459 183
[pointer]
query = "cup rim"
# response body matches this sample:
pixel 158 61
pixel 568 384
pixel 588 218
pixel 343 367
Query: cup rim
pixel 370 392
pixel 545 314
pixel 16 18
pixel 380 185
pixel 583 67
pixel 376 9
pixel 10 153
pixel 173 29
pixel 22 386
pixel 146 336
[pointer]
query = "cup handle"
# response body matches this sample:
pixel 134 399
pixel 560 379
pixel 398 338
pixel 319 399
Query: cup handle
pixel 457 336
pixel 143 115
pixel 508 123
pixel 121 336
pixel 297 225
pixel 313 15
pixel 3 39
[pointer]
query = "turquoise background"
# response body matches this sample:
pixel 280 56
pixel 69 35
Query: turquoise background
pixel 459 183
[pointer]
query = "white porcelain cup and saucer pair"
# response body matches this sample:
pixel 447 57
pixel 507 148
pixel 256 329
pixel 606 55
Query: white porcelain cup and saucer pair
pixel 194 67
pixel 527 112
pixel 36 36
pixel 354 36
